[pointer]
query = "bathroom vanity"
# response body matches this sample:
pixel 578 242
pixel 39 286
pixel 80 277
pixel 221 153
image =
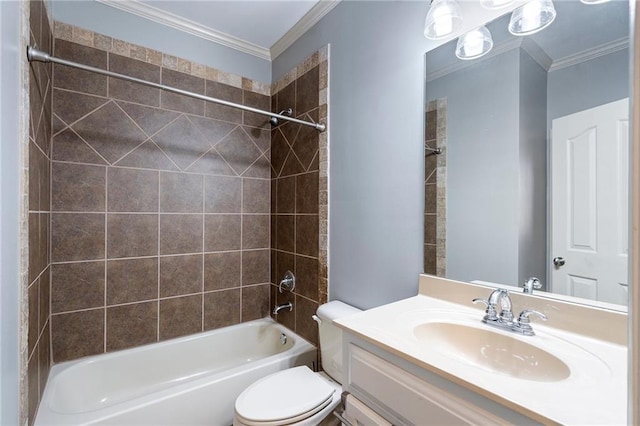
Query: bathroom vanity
pixel 430 359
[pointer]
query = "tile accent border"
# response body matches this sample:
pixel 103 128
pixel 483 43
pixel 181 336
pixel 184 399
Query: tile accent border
pixel 319 58
pixel 440 106
pixel 112 45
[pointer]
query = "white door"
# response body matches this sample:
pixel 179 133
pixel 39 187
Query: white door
pixel 589 203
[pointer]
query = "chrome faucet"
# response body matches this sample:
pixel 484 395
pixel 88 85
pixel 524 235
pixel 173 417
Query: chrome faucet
pixel 504 320
pixel 530 284
pixel 278 308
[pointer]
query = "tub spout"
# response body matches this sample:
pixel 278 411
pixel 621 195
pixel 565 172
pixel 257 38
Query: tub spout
pixel 278 308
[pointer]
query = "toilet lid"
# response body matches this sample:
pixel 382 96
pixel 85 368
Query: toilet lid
pixel 284 395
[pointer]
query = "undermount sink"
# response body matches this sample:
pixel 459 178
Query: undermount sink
pixel 496 352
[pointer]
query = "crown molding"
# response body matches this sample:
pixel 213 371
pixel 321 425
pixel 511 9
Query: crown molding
pixel 316 13
pixel 143 10
pixel 538 54
pixel 498 49
pixel 589 54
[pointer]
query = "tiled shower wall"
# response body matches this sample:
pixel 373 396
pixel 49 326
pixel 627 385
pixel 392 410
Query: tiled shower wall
pixel 299 201
pixel 160 203
pixel 435 172
pixel 38 347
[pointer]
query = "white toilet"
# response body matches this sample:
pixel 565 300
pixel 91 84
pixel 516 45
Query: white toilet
pixel 298 396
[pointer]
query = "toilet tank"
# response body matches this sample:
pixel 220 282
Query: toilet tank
pixel 331 336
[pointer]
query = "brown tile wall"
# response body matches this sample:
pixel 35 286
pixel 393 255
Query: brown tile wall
pixel 298 176
pixel 39 195
pixel 435 170
pixel 160 221
pixel 430 192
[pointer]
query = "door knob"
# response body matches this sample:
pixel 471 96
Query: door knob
pixel 558 261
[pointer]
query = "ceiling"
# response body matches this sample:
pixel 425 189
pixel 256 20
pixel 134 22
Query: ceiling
pixel 263 28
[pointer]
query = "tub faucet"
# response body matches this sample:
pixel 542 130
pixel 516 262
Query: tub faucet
pixel 278 308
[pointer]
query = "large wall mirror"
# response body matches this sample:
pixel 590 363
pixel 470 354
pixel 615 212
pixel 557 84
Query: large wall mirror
pixel 526 156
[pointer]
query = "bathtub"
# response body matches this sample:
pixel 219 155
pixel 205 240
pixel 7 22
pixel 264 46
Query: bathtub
pixel 192 380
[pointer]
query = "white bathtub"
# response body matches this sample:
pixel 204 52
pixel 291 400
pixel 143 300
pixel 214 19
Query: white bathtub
pixel 192 380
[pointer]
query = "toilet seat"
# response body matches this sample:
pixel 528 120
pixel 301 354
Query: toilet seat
pixel 285 397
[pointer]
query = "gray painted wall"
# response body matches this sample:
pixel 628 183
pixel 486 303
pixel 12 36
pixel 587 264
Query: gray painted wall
pixel 376 108
pixel 588 84
pixel 376 124
pixel 107 20
pixel 482 168
pixel 532 252
pixel 11 58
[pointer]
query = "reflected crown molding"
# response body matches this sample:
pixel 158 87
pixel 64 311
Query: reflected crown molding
pixel 593 53
pixel 143 10
pixel 537 53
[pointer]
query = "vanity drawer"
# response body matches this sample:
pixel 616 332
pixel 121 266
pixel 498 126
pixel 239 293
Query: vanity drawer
pixel 407 397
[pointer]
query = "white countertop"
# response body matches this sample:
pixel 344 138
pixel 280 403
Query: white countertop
pixel 595 392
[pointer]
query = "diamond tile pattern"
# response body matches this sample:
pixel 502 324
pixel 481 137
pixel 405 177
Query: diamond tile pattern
pixel 110 132
pixel 238 150
pixel 182 142
pixel 151 120
pixel 153 200
pixel 294 148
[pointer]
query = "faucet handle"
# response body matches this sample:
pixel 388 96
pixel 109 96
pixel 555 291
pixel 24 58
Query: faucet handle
pixel 490 312
pixel 524 323
pixel 479 300
pixel 523 318
pixel 288 282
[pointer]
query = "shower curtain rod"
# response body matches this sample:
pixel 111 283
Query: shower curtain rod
pixel 40 56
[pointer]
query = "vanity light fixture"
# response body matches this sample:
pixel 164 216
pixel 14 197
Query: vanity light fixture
pixel 496 4
pixel 532 17
pixel 594 1
pixel 474 44
pixel 443 18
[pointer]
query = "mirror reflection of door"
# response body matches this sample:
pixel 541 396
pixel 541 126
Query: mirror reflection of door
pixel 589 207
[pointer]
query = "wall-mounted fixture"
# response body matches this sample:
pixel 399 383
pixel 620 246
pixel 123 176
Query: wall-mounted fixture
pixel 532 17
pixel 474 44
pixel 594 1
pixel 288 282
pixel 443 18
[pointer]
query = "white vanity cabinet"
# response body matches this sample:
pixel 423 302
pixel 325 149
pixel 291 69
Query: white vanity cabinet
pixel 404 394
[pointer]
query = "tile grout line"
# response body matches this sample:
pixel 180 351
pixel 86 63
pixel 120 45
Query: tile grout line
pixel 241 245
pixel 158 257
pixel 161 256
pixel 142 301
pixel 295 209
pixel 50 248
pixel 204 200
pixel 106 247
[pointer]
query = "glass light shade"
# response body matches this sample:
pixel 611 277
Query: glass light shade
pixel 532 17
pixel 496 4
pixel 474 44
pixel 594 1
pixel 443 18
